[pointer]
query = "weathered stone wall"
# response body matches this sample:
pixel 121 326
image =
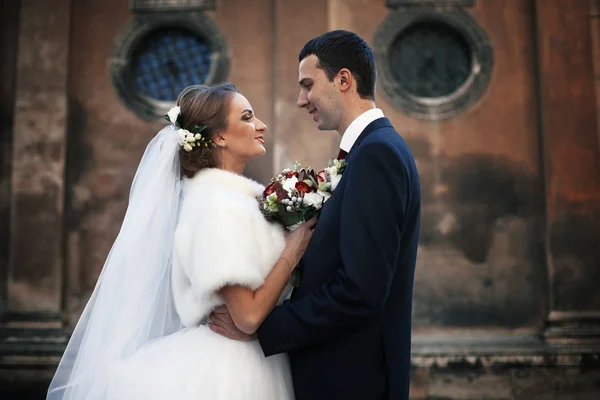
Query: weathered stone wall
pixel 506 304
pixel 38 157
pixel 513 381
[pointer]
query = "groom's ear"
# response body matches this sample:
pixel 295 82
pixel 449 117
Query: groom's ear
pixel 345 79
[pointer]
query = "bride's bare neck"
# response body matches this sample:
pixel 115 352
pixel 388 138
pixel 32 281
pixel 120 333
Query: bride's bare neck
pixel 229 163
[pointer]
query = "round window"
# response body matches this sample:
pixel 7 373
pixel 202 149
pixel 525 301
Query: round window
pixel 168 60
pixel 158 55
pixel 430 59
pixel 432 64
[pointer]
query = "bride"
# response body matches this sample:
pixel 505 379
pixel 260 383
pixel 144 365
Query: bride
pixel 186 246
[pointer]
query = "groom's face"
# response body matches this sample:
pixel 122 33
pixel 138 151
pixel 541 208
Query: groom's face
pixel 317 94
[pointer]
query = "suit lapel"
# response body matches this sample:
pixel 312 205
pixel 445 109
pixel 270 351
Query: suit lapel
pixel 373 126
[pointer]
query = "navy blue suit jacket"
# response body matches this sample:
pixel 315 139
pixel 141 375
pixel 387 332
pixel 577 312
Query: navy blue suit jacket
pixel 347 328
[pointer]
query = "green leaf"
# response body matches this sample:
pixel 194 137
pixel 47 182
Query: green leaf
pixel 199 129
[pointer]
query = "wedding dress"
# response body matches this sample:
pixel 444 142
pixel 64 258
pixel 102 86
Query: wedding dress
pixel 222 238
pixel 143 334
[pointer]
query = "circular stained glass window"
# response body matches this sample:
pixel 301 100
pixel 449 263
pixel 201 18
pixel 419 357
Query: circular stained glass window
pixel 169 59
pixel 157 55
pixel 430 59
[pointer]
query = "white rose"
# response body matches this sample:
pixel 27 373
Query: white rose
pixel 187 147
pixel 313 199
pixel 335 179
pixel 189 137
pixel 173 114
pixel 332 170
pixel 326 195
pixel 182 136
pixel 290 184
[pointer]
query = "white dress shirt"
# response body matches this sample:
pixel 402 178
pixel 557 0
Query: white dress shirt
pixel 357 126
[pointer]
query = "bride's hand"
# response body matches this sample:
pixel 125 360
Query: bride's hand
pixel 297 241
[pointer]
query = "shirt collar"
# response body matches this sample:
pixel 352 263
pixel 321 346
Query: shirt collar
pixel 357 126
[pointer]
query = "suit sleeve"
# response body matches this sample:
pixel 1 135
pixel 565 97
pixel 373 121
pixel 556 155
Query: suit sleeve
pixel 372 215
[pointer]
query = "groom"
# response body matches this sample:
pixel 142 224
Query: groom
pixel 347 328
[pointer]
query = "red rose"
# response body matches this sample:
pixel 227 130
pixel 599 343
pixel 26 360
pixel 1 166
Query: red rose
pixel 290 174
pixel 321 176
pixel 302 187
pixel 277 188
pixel 269 189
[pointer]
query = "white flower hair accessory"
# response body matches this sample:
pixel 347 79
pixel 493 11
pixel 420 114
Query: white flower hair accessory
pixel 188 139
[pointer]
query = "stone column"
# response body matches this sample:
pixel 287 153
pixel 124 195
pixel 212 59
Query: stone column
pixel 38 159
pixel 571 159
pixel 9 30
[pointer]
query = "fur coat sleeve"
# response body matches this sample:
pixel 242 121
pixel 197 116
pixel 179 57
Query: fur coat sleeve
pixel 221 239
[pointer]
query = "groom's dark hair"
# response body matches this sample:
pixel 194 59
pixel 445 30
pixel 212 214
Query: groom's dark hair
pixel 343 49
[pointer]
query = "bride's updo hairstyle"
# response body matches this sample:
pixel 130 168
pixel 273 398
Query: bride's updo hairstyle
pixel 203 106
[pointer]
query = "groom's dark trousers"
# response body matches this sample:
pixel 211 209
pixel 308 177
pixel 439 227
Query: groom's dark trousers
pixel 347 328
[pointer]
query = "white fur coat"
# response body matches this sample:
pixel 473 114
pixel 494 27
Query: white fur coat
pixel 221 239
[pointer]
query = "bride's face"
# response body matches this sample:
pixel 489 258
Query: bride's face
pixel 244 136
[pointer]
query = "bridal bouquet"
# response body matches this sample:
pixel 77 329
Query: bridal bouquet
pixel 298 194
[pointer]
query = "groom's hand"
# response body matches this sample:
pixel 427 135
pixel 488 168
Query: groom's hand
pixel 222 323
